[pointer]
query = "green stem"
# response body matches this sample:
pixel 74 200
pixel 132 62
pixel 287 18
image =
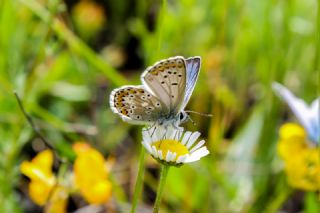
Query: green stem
pixel 317 49
pixel 162 182
pixel 161 25
pixel 279 199
pixel 139 182
pixel 317 40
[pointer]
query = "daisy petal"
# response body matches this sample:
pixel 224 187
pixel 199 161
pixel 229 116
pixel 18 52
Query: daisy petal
pixel 147 146
pixel 203 151
pixel 168 157
pixel 173 156
pixel 186 137
pixel 182 158
pixel 160 155
pixel 192 139
pixel 154 151
pixel 170 133
pixel 178 135
pixel 197 146
pixel 157 133
pixel 146 136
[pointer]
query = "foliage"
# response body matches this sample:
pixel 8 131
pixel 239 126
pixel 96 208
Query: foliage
pixel 64 76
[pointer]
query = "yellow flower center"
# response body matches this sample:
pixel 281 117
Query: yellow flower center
pixel 172 146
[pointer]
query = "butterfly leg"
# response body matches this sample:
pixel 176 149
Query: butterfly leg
pixel 154 129
pixel 150 127
pixel 189 118
pixel 165 132
pixel 177 127
pixel 176 133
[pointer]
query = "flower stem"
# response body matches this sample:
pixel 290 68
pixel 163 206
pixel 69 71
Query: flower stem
pixel 161 25
pixel 138 187
pixel 162 182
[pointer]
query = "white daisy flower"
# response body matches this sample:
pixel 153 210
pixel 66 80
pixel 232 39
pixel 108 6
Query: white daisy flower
pixel 308 116
pixel 173 146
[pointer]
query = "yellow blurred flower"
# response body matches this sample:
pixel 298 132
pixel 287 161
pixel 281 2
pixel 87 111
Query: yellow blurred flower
pixel 58 200
pixel 41 176
pixel 43 187
pixel 91 174
pixel 89 18
pixel 292 141
pixel 302 161
pixel 303 171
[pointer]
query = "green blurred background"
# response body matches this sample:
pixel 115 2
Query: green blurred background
pixel 64 58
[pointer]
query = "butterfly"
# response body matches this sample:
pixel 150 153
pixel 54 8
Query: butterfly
pixel 165 91
pixel 308 116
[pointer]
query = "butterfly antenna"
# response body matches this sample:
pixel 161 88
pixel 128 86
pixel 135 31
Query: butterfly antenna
pixel 199 113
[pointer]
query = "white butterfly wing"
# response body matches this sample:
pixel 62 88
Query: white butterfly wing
pixel 166 79
pixel 193 69
pixel 299 108
pixel 315 120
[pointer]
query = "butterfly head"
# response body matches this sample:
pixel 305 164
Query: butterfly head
pixel 183 117
pixel 173 120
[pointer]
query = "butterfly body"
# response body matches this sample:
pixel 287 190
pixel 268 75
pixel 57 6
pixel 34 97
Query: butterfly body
pixel 161 99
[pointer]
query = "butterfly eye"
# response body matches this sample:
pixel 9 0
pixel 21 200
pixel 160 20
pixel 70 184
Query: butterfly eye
pixel 183 117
